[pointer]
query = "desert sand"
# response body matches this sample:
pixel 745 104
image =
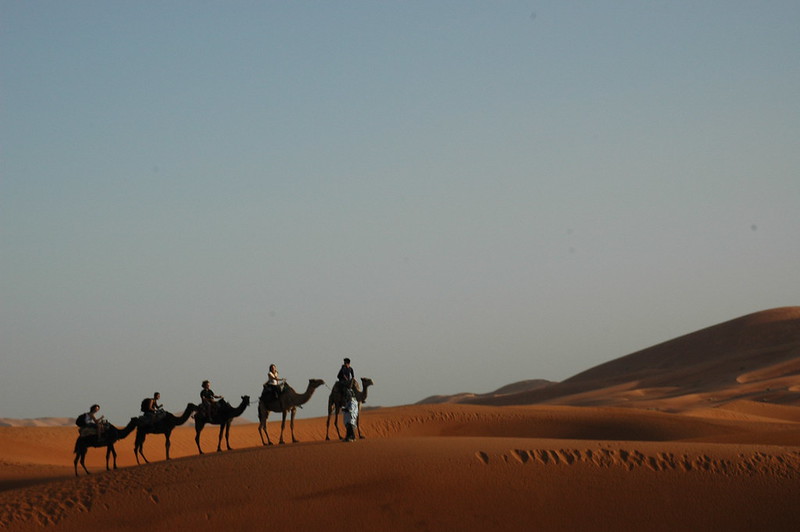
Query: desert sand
pixel 646 442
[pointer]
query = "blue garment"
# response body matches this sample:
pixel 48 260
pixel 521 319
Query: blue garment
pixel 350 413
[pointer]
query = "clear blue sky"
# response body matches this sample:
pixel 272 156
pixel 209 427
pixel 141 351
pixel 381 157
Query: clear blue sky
pixel 456 195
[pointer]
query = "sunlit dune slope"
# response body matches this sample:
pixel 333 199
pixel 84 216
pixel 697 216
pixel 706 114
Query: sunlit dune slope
pixel 756 357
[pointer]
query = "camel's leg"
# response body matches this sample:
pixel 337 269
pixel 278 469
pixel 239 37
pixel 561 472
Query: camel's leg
pixel 328 421
pixel 77 458
pixel 336 421
pixel 167 443
pixel 111 452
pixel 283 424
pixel 138 447
pixel 266 432
pixel 83 461
pixel 358 423
pixel 291 425
pixel 219 439
pixel 198 428
pixel 228 434
pixel 262 427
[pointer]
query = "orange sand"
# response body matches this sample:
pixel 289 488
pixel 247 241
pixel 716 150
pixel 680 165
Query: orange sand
pixel 442 467
pixel 646 450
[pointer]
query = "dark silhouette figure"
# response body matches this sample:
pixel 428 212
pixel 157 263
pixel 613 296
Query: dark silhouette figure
pixel 110 436
pixel 223 417
pixel 336 401
pixel 288 401
pixel 162 425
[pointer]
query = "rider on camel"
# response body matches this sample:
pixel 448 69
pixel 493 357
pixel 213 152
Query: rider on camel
pixel 151 409
pixel 91 421
pixel 209 399
pixel 274 383
pixel 346 373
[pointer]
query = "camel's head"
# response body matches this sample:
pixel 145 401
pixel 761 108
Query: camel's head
pixel 315 383
pixel 366 381
pixel 246 400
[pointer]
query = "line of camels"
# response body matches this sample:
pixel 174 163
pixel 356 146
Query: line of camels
pixel 287 403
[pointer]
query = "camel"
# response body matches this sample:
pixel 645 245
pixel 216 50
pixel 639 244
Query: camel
pixel 288 401
pixel 335 400
pixel 163 425
pixel 110 436
pixel 223 417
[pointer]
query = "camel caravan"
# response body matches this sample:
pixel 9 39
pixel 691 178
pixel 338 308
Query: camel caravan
pixel 277 396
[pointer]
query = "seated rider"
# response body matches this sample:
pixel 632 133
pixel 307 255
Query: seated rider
pixel 209 399
pixel 346 374
pixel 274 383
pixel 152 410
pixel 93 422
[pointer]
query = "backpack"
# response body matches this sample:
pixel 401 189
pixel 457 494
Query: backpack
pixel 146 404
pixel 81 420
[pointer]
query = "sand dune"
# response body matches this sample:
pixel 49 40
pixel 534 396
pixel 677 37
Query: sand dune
pixel 38 422
pixel 756 357
pixel 437 467
pixel 702 433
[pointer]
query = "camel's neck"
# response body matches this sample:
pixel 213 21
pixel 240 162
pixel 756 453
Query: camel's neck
pixel 186 413
pixel 363 395
pixel 128 429
pixel 305 396
pixel 239 409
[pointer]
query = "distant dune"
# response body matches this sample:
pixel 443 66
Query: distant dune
pixel 517 387
pixel 699 433
pixel 37 422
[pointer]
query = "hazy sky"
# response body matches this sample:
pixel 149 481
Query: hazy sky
pixel 456 195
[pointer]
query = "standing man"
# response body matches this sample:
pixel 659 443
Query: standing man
pixel 350 410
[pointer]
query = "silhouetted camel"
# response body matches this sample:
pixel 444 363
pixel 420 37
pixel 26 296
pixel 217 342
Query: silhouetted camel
pixel 163 425
pixel 110 436
pixel 222 417
pixel 288 401
pixel 336 400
